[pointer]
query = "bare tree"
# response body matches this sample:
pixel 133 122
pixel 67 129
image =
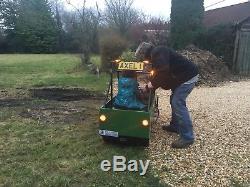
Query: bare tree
pixel 120 14
pixel 58 9
pixel 87 23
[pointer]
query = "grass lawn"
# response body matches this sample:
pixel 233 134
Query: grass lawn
pixel 34 153
pixel 37 70
pixel 96 60
pixel 55 143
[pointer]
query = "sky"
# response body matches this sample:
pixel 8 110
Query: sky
pixel 161 8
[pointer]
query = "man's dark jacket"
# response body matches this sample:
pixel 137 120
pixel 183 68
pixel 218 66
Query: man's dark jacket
pixel 171 68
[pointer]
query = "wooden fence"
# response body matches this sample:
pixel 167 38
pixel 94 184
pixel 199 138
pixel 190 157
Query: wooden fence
pixel 241 62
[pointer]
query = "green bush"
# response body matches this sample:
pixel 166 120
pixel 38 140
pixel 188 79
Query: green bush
pixel 111 47
pixel 128 56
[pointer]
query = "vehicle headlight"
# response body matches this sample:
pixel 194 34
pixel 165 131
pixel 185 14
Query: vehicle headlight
pixel 145 123
pixel 103 118
pixel 152 73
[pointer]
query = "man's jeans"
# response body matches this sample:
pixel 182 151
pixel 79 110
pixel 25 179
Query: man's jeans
pixel 180 115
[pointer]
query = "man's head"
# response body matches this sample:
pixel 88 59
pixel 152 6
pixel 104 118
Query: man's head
pixel 143 52
pixel 160 58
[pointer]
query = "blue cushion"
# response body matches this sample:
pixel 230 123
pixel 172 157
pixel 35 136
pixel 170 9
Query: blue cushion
pixel 127 94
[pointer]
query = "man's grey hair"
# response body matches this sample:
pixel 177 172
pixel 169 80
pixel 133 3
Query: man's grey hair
pixel 142 50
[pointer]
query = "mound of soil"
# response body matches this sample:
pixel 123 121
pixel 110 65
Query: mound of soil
pixel 212 69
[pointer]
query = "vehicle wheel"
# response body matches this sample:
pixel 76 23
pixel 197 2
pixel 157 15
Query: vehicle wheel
pixel 145 143
pixel 108 139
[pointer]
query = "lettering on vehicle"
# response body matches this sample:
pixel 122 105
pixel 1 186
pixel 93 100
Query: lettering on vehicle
pixel 137 66
pixel 120 164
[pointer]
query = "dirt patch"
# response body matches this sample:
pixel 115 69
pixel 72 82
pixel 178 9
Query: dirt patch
pixel 12 102
pixel 14 93
pixel 51 105
pixel 59 112
pixel 64 94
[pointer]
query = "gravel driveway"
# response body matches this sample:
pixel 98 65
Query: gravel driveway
pixel 220 155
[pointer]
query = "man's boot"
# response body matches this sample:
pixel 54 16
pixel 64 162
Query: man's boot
pixel 181 143
pixel 170 128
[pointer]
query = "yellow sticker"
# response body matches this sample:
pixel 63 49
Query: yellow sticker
pixel 136 66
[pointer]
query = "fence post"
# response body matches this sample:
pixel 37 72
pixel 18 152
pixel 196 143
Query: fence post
pixel 236 47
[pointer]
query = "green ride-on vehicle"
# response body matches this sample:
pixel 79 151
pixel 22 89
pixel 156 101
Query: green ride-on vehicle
pixel 127 125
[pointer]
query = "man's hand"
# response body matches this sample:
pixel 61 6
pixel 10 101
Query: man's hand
pixel 147 87
pixel 150 86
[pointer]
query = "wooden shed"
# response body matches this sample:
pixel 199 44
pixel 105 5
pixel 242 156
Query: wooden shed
pixel 241 61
